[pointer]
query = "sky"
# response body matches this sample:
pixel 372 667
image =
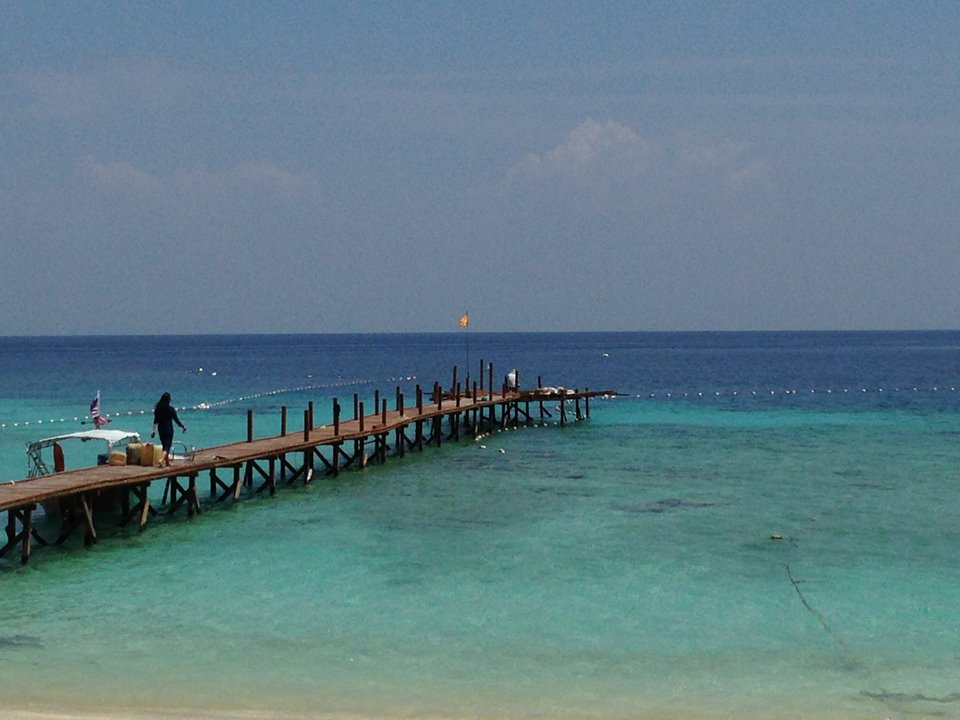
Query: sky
pixel 231 167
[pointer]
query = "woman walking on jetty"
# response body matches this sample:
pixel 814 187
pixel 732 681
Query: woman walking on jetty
pixel 164 416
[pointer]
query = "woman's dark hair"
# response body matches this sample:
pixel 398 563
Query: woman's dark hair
pixel 163 402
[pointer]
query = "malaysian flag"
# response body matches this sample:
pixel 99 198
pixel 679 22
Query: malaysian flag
pixel 98 420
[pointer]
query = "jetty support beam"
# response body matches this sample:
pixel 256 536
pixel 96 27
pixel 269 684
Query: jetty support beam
pixel 180 494
pixel 231 490
pixel 141 510
pixel 22 516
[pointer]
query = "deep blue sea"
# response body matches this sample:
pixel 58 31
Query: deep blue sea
pixel 621 567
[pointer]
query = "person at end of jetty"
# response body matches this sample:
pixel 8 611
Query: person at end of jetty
pixel 164 416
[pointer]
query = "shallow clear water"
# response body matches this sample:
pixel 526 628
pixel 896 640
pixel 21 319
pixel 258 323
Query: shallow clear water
pixel 620 567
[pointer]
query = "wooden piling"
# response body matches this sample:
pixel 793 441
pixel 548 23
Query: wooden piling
pixel 249 426
pixel 283 421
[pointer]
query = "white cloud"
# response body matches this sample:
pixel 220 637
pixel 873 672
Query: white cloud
pixel 121 176
pixel 755 171
pixel 61 94
pixel 611 157
pixel 153 82
pixel 251 177
pixel 710 154
pixel 107 89
pixel 589 148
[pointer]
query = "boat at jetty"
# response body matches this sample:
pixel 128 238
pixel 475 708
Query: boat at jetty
pixel 41 463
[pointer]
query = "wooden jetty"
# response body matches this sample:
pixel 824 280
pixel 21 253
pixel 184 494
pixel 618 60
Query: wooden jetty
pixel 256 465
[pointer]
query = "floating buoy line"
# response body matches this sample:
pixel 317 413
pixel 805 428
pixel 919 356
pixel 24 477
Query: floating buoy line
pixel 789 392
pixel 204 406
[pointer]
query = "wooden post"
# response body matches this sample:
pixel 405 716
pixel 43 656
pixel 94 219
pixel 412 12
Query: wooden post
pixel 336 416
pixel 439 393
pixel 539 382
pixel 490 380
pixel 310 410
pixel 11 527
pixel 27 521
pixel 458 394
pixel 453 385
pixel 283 419
pixel 383 416
pixel 360 414
pixel 481 374
pixel 419 400
pixel 308 466
pixel 576 405
pixel 376 401
pixel 586 401
pixel 474 390
pixel 356 406
pixel 306 425
pixel 249 425
pixel 399 401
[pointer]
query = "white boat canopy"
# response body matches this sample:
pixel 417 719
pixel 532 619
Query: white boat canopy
pixel 111 437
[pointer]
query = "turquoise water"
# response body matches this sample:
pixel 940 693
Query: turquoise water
pixel 618 568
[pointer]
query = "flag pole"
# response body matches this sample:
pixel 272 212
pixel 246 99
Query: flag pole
pixel 465 323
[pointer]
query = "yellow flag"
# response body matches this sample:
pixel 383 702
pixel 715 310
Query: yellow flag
pixel 464 320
